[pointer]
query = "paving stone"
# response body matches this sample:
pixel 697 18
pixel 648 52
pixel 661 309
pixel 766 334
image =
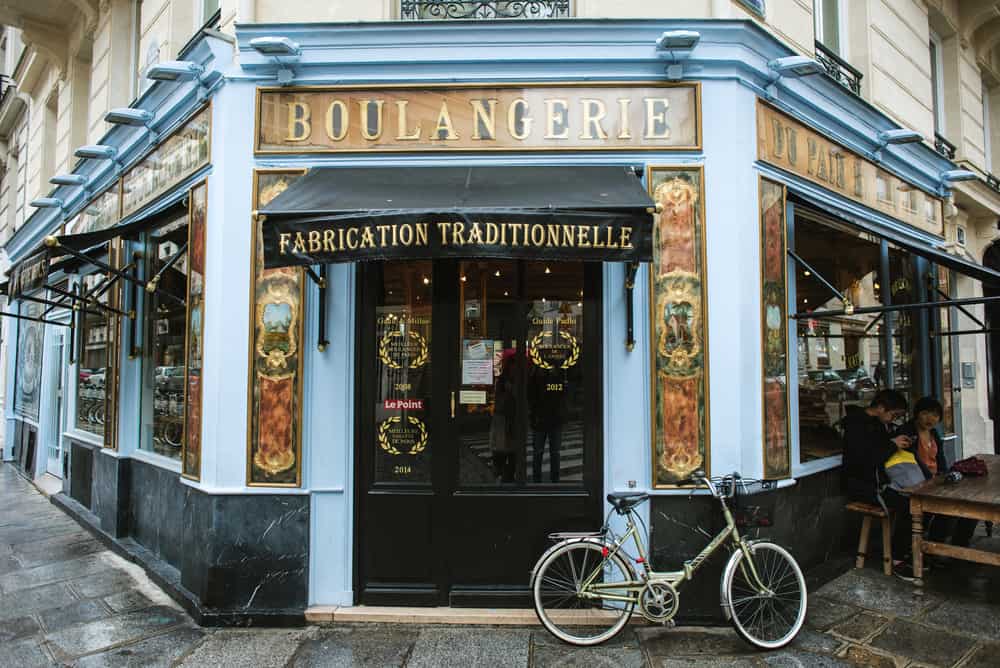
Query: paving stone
pixel 27 601
pixel 861 626
pixel 864 656
pixel 587 657
pixel 437 647
pixel 356 646
pixel 986 656
pixel 683 641
pixel 74 612
pixel 824 613
pixel 9 564
pixel 60 552
pixel 812 641
pixel 793 658
pixel 97 635
pixel 246 648
pixel 626 638
pixel 706 662
pixel 62 570
pixel 875 591
pixel 18 627
pixel 157 652
pixel 980 619
pixel 26 653
pixel 922 643
pixel 130 599
pixel 103 584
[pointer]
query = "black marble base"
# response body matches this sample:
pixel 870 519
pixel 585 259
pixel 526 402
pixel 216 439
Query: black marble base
pixel 808 520
pixel 230 560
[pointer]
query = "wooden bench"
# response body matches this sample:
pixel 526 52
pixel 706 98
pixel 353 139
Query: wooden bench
pixel 871 512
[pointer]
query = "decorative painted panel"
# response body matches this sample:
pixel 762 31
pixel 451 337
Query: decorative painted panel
pixel 678 326
pixel 191 448
pixel 275 407
pixel 29 361
pixel 774 329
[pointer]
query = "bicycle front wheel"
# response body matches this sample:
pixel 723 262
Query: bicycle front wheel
pixel 767 610
pixel 566 602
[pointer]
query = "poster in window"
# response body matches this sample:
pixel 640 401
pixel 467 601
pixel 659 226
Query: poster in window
pixel 678 324
pixel 275 439
pixel 29 361
pixel 774 330
pixel 191 455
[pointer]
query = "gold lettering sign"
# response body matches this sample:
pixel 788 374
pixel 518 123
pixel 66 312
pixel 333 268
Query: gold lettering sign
pixel 790 145
pixel 478 117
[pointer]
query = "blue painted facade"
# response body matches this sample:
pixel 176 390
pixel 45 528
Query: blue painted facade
pixel 731 63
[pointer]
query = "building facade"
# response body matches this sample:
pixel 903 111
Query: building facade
pixel 329 305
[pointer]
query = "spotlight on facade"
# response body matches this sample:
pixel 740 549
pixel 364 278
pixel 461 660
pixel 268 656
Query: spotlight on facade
pixel 276 47
pixel 96 152
pixel 795 66
pixel 175 70
pixel 68 180
pixel 899 136
pixel 47 203
pixel 129 116
pixel 678 40
pixel 953 175
pixel 283 50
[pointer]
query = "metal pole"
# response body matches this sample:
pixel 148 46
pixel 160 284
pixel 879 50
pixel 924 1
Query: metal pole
pixel 33 319
pixel 805 315
pixel 818 276
pixel 321 341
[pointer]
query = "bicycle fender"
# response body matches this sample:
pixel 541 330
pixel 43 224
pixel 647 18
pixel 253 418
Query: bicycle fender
pixel 562 543
pixel 727 609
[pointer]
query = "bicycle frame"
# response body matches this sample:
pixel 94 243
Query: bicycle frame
pixel 605 591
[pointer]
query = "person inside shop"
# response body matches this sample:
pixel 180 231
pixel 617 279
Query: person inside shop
pixel 505 436
pixel 868 444
pixel 547 406
pixel 928 452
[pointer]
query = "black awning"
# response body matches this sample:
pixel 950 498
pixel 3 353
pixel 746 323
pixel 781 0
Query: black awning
pixel 89 240
pixel 560 213
pixel 924 250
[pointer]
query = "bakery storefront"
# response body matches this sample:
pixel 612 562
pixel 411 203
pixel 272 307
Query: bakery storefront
pixel 411 313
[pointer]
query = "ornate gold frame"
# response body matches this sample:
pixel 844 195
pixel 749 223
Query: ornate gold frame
pixel 700 169
pixel 187 329
pixel 255 224
pixel 788 404
pixel 695 85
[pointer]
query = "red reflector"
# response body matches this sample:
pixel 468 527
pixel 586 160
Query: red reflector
pixel 605 551
pixel 640 560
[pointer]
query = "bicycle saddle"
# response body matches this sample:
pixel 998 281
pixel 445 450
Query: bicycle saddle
pixel 624 502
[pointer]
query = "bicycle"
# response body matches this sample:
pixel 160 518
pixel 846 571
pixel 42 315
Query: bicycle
pixel 763 590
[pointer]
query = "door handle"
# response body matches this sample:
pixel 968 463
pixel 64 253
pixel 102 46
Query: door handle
pixel 452 404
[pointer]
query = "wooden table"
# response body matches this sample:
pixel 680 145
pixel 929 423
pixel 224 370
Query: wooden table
pixel 975 498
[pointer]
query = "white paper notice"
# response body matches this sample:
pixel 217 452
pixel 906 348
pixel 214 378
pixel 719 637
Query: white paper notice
pixel 477 362
pixel 472 397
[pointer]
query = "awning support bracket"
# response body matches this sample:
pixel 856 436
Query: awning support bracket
pixel 318 279
pixel 805 315
pixel 984 330
pixel 321 340
pixel 18 316
pixel 630 271
pixel 154 282
pixel 51 304
pixel 78 299
pixel 133 352
pixel 848 306
pixel 963 310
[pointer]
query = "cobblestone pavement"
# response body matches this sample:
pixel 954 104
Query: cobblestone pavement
pixel 65 600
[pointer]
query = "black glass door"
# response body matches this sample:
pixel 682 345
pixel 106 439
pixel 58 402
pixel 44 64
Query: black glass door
pixel 479 394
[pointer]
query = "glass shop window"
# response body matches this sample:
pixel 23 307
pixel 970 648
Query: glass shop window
pixel 92 364
pixel 907 344
pixel 841 360
pixel 165 313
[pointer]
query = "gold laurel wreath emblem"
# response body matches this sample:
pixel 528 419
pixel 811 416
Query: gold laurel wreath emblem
pixel 383 435
pixel 415 363
pixel 536 357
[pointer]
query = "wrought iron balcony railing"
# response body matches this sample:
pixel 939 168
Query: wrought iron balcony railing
pixel 442 10
pixel 839 69
pixel 944 147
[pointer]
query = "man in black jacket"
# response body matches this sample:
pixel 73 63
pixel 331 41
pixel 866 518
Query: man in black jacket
pixel 867 445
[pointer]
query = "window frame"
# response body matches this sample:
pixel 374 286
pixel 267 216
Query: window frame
pixel 819 7
pixel 79 335
pixel 935 47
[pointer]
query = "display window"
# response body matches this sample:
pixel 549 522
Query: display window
pixel 164 354
pixel 92 364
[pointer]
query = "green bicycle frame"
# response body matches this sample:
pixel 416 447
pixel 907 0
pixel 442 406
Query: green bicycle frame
pixel 605 591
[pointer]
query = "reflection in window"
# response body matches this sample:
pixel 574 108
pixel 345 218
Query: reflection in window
pixel 163 360
pixel 906 347
pixel 93 360
pixel 841 360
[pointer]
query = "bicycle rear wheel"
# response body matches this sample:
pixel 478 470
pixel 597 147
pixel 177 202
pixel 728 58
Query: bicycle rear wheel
pixel 558 584
pixel 771 617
